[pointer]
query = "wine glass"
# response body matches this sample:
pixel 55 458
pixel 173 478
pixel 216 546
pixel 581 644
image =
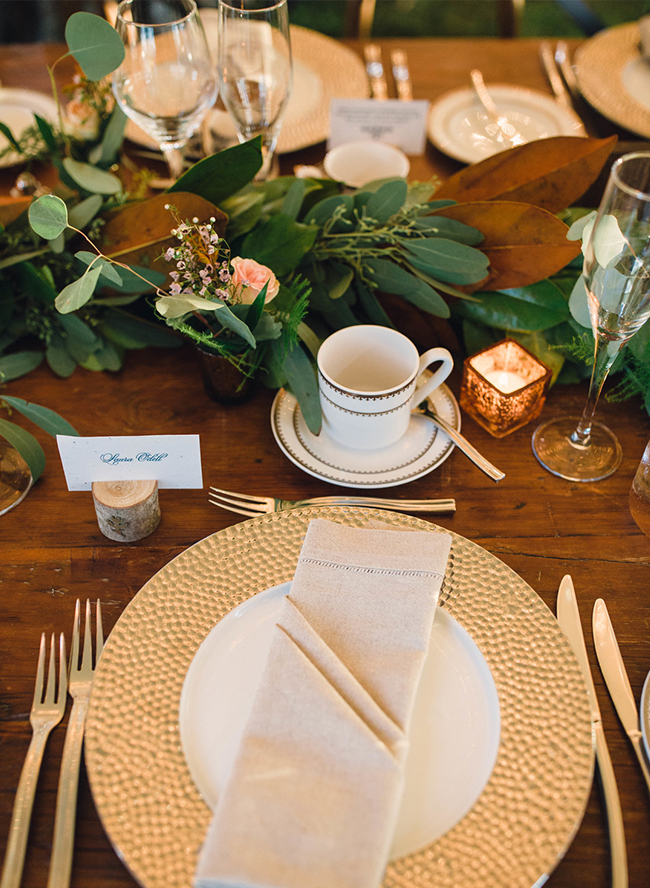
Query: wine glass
pixel 616 274
pixel 255 69
pixel 166 83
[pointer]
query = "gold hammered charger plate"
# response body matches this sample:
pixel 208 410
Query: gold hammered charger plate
pixel 603 64
pixel 524 819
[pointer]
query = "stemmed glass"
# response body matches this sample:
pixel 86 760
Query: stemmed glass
pixel 255 69
pixel 166 83
pixel 617 279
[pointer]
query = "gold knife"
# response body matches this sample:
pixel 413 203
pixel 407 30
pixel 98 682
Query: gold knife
pixel 375 71
pixel 401 75
pixel 560 92
pixel 618 684
pixel 568 617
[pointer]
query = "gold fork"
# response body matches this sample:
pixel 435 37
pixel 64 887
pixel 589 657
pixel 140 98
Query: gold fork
pixel 45 714
pixel 251 506
pixel 66 801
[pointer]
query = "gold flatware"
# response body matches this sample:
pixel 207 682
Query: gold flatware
pixel 401 75
pixel 251 506
pixel 47 711
pixel 510 132
pixel 568 616
pixel 618 684
pixel 375 71
pixel 560 91
pixel 80 682
pixel 462 443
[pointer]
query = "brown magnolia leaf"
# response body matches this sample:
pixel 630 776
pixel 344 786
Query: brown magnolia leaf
pixel 139 233
pixel 11 208
pixel 524 244
pixel 549 173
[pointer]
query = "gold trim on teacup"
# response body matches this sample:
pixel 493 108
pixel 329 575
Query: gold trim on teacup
pixel 367 397
pixel 360 413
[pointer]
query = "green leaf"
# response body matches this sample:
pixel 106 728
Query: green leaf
pixel 221 175
pixel 579 303
pixel 324 210
pixel 544 293
pixel 294 198
pixel 391 278
pixel 90 178
pixel 508 313
pixel 9 136
pixel 128 331
pixel 78 292
pixel 58 358
pixel 279 243
pixel 538 345
pixel 106 268
pixel 107 357
pixel 371 305
pixel 19 364
pixel 476 337
pixel 19 257
pixel 446 259
pixel 338 278
pixel 80 340
pixel 94 43
pixel 441 226
pixel 301 379
pixel 32 281
pixel 85 211
pixel 387 200
pixel 106 152
pixel 48 216
pixel 46 131
pixel 26 445
pixel 244 211
pixel 43 417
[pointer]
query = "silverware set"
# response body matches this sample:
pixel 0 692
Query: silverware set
pixel 562 79
pixel 47 711
pixel 377 73
pixel 618 685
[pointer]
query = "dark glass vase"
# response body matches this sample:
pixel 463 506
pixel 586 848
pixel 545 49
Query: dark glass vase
pixel 223 381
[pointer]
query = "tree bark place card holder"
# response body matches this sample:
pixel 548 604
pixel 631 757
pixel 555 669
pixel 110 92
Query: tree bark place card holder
pixel 125 473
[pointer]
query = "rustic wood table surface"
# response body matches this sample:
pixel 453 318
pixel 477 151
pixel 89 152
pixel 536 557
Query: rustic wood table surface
pixel 52 551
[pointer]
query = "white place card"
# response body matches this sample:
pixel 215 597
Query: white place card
pixel 402 124
pixel 171 460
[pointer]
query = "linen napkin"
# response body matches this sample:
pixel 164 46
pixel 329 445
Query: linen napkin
pixel 315 789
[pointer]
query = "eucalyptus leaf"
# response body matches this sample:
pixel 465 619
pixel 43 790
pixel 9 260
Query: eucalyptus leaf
pixel 391 278
pixel 107 357
pixel 94 43
pixel 106 268
pixel 80 340
pixel 302 382
pixel 453 262
pixel 26 445
pixel 19 257
pixel 387 200
pixel 324 210
pixel 91 178
pixel 310 339
pixel 177 306
pixel 85 211
pixel 78 292
pixel 59 360
pixel 128 331
pixel 371 306
pixel 137 279
pixel 441 226
pixel 48 216
pixel 33 281
pixel 18 364
pixel 579 303
pixel 43 417
pixel 57 245
pixel 267 328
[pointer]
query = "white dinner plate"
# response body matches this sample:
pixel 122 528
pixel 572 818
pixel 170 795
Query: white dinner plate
pixel 323 69
pixel 615 78
pixel 454 735
pixel 17 108
pixel 460 127
pixel 422 449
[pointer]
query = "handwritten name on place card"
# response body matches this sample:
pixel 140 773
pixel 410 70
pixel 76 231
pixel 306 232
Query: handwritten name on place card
pixel 171 460
pixel 402 124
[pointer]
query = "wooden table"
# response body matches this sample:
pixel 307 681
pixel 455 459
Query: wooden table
pixel 539 525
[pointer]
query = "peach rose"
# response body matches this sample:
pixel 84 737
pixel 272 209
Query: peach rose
pixel 81 121
pixel 249 277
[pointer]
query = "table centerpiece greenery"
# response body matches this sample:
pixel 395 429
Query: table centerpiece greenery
pixel 483 254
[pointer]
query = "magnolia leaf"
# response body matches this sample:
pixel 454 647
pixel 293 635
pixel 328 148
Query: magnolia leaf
pixel 94 43
pixel 279 243
pixel 579 303
pixel 78 292
pixel 294 197
pixel 91 178
pixel 549 173
pixel 507 312
pixel 140 232
pixel 44 418
pixel 128 331
pixel 18 364
pixel 177 306
pixel 524 244
pixel 324 210
pixel 387 200
pixel 48 216
pixel 106 268
pixel 301 379
pixel 105 153
pixel 85 211
pixel 26 445
pixel 221 175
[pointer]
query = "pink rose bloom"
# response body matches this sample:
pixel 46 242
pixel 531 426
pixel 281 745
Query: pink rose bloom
pixel 250 276
pixel 81 121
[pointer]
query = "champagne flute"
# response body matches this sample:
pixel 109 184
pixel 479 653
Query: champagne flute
pixel 166 83
pixel 255 69
pixel 616 274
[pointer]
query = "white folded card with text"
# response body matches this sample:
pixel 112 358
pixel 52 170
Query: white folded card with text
pixel 402 124
pixel 171 460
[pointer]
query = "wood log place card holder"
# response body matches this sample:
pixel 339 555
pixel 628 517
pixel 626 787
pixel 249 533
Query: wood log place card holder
pixel 125 474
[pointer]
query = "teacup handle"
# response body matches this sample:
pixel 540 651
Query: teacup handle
pixel 433 354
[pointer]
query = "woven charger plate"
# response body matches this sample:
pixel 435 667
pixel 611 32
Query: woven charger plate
pixel 601 63
pixel 527 814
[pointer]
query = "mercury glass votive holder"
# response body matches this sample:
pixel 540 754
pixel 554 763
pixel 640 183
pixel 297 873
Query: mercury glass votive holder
pixel 504 386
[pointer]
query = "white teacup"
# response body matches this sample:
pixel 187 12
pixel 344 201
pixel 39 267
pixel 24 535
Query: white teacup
pixel 370 378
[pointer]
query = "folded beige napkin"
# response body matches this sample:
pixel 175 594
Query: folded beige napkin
pixel 315 788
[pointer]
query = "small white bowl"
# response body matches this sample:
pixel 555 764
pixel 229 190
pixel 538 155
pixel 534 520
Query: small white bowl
pixel 357 163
